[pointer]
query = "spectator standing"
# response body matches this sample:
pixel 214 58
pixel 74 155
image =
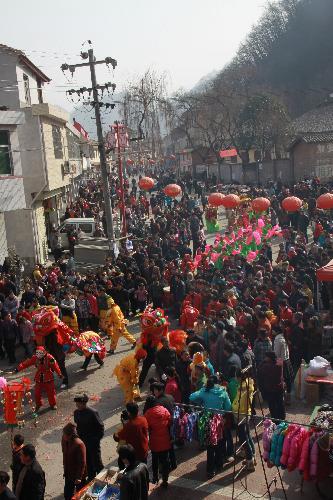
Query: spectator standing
pixel 159 421
pixel 16 465
pixel 271 385
pixel 74 460
pixel 135 432
pixel 5 493
pixel 26 333
pixel 31 480
pixel 134 479
pixel 11 304
pixel 90 429
pixel 9 334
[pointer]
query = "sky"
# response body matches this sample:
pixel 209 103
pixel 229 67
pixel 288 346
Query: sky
pixel 186 39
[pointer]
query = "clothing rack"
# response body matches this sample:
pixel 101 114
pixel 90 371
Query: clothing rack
pixel 260 417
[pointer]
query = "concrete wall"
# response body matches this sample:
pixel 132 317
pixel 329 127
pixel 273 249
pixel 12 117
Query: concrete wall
pixel 313 159
pixel 9 95
pixel 25 231
pixel 19 232
pixel 3 238
pixel 31 155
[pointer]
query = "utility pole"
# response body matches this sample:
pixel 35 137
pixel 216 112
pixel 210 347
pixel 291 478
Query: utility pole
pixel 97 104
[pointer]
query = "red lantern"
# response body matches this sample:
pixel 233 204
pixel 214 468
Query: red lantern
pixel 146 183
pixel 231 201
pixel 215 199
pixel 325 201
pixel 172 190
pixel 260 204
pixel 291 204
pixel 13 400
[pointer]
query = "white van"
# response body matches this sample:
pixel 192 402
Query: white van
pixel 87 226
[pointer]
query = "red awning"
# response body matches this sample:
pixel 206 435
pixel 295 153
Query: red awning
pixel 325 273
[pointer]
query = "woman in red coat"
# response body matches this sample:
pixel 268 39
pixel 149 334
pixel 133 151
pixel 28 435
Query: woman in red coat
pixel 172 385
pixel 159 420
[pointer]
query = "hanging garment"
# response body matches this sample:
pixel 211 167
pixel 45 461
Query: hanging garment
pixel 291 431
pixel 296 448
pixel 216 426
pixel 203 428
pixel 269 428
pixel 277 443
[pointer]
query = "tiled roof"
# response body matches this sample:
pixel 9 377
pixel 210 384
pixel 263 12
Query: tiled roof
pixel 319 137
pixel 26 61
pixel 317 120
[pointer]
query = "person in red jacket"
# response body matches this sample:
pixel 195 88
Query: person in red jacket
pixel 172 385
pixel 159 420
pixel 135 432
pixel 46 365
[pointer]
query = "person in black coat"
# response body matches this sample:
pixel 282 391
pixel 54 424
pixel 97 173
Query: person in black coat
pixel 90 429
pixel 16 465
pixel 134 479
pixel 5 493
pixel 182 368
pixel 31 480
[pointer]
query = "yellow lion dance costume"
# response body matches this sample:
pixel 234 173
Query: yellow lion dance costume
pixel 115 326
pixel 127 373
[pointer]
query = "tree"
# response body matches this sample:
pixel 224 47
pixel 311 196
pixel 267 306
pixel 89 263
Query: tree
pixel 145 109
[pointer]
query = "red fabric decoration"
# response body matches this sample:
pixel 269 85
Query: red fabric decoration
pixel 146 183
pixel 231 201
pixel 325 201
pixel 172 190
pixel 260 204
pixel 216 199
pixel 291 204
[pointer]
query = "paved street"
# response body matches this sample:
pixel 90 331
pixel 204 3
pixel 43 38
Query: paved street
pixel 189 480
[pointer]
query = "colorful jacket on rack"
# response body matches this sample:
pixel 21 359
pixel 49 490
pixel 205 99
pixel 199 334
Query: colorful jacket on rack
pixel 277 443
pixel 269 428
pixel 291 431
pixel 296 448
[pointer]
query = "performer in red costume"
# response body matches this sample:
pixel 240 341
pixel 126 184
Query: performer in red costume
pixel 46 365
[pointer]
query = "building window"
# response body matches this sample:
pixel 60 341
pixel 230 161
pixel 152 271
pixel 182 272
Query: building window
pixel 57 142
pixel 73 146
pixel 26 89
pixel 5 154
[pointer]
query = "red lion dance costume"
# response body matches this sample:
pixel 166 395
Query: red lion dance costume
pixel 45 366
pixel 58 338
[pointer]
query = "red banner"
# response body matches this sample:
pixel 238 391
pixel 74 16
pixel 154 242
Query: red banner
pixel 227 153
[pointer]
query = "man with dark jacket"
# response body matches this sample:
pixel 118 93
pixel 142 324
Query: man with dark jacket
pixel 31 481
pixel 182 369
pixel 166 356
pixel 16 465
pixel 9 334
pixel 74 460
pixel 230 359
pixel 5 493
pixel 90 429
pixel 134 480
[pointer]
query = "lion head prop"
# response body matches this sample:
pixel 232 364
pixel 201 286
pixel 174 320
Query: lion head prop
pixel 154 326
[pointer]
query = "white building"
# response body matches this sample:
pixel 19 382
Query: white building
pixel 40 158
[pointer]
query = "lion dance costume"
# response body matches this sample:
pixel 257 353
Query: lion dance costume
pixel 127 373
pixel 45 365
pixel 115 324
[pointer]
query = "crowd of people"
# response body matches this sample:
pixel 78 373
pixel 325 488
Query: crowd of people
pixel 256 320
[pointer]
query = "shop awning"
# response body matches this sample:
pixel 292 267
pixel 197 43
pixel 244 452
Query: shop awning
pixel 325 273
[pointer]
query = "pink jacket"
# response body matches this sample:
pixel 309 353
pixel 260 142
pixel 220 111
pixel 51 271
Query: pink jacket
pixel 314 456
pixel 292 430
pixel 304 462
pixel 296 448
pixel 269 428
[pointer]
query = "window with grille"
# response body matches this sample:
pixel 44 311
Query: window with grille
pixel 73 146
pixel 57 142
pixel 5 154
pixel 26 89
